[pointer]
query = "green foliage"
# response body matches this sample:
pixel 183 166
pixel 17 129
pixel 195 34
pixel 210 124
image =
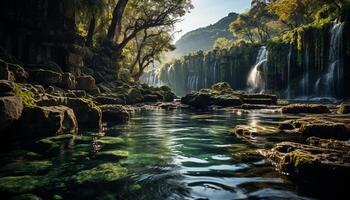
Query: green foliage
pixel 222 43
pixel 256 25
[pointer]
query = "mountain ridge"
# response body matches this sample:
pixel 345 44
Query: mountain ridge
pixel 204 38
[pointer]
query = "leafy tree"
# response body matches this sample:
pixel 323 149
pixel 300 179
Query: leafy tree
pixel 222 43
pixel 256 25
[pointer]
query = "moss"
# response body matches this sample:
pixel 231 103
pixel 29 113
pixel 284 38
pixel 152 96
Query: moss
pixel 114 155
pixel 51 143
pixel 107 172
pixel 26 96
pixel 91 104
pixel 110 140
pixel 19 184
pixel 223 86
pixel 33 167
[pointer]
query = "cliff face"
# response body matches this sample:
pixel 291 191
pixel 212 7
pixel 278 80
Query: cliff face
pixel 40 31
pixel 201 70
pixel 204 38
pixel 311 61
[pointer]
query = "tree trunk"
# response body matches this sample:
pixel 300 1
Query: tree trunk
pixel 115 27
pixel 91 31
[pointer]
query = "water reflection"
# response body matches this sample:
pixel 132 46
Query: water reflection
pixel 184 155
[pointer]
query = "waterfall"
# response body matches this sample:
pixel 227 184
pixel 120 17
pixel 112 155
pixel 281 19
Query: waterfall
pixel 334 76
pixel 289 71
pixel 215 71
pixel 255 78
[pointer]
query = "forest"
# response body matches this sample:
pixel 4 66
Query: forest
pixel 109 99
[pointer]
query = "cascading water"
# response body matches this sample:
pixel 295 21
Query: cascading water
pixel 215 71
pixel 255 78
pixel 332 80
pixel 334 76
pixel 289 71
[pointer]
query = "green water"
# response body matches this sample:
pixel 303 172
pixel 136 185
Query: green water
pixel 171 155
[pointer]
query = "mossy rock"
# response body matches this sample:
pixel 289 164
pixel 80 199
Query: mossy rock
pixel 113 155
pixel 344 109
pixel 110 140
pixel 305 108
pixel 134 96
pixel 107 172
pixel 51 143
pixel 19 184
pixel 30 167
pixel 223 86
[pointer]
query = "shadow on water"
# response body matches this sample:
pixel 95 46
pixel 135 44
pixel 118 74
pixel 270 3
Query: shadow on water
pixel 172 155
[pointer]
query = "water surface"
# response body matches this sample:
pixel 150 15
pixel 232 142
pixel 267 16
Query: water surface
pixel 172 155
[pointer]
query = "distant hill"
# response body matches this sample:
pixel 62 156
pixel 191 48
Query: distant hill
pixel 204 38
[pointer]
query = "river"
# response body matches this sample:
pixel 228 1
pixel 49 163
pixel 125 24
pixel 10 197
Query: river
pixel 176 155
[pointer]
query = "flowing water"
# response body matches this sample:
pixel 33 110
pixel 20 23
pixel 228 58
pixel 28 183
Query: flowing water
pixel 255 78
pixel 172 155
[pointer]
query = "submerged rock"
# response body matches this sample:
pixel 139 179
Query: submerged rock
pixel 19 184
pixel 305 108
pixel 107 172
pixel 112 155
pixel 47 121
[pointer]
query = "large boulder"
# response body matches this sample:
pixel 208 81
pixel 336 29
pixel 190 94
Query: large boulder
pixel 89 115
pixel 46 77
pixel 47 121
pixel 134 96
pixel 305 108
pixel 11 108
pixel 197 100
pixel 226 100
pixel 114 113
pixel 86 83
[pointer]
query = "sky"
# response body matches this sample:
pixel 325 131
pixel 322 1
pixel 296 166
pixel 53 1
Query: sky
pixel 208 12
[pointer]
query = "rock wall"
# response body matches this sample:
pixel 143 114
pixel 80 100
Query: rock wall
pixel 40 32
pixel 203 69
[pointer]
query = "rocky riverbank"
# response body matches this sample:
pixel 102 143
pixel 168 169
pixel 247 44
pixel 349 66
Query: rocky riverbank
pixel 43 103
pixel 311 147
